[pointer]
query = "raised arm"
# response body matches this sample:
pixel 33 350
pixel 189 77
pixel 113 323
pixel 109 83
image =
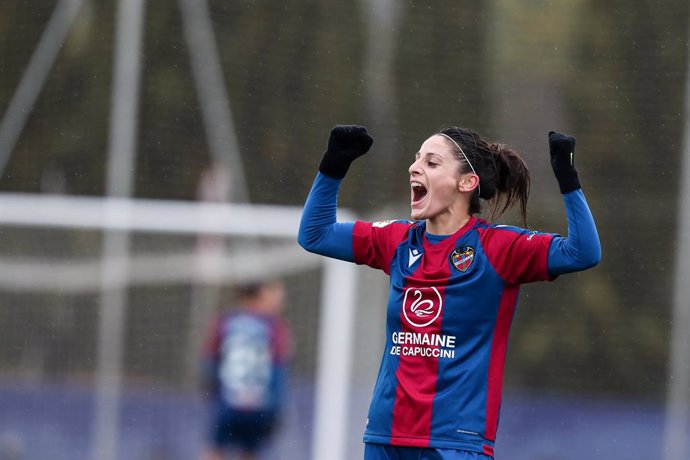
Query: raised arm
pixel 581 249
pixel 319 231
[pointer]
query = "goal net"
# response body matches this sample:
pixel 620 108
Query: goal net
pixel 108 302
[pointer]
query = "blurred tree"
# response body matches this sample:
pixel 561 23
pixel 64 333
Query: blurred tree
pixel 66 133
pixel 442 73
pixel 293 71
pixel 623 86
pixel 610 72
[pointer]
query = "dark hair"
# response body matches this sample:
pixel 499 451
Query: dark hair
pixel 253 288
pixel 249 289
pixel 504 179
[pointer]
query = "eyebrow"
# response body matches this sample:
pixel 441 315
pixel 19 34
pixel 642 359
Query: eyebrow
pixel 434 154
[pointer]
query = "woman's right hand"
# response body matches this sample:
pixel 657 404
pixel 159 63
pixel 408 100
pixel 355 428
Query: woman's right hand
pixel 345 144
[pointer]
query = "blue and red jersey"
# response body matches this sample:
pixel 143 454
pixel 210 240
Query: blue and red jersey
pixel 451 303
pixel 246 356
pixel 450 306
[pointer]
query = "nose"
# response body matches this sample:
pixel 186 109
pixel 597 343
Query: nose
pixel 414 167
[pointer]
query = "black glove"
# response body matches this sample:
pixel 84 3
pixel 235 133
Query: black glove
pixel 562 150
pixel 345 145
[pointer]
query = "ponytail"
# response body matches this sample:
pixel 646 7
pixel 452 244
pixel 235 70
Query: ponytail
pixel 512 181
pixel 504 179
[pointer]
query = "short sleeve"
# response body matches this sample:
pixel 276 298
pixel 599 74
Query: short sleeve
pixel 374 243
pixel 283 348
pixel 211 344
pixel 518 255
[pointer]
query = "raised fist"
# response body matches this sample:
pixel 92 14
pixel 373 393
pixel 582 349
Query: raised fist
pixel 562 151
pixel 345 144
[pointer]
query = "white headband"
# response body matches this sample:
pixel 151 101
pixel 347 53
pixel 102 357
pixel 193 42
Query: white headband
pixel 465 157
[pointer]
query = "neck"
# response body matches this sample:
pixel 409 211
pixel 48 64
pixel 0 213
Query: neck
pixel 446 224
pixel 260 308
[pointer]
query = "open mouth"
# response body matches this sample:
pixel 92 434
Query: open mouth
pixel 418 192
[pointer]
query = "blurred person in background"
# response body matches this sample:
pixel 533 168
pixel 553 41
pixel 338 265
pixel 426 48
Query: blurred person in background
pixel 245 360
pixel 454 282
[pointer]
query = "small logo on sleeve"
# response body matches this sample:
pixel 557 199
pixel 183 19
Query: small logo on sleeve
pixel 462 258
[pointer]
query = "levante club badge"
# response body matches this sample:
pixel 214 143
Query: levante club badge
pixel 462 258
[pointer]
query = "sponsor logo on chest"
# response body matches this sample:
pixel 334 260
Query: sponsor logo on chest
pixel 421 306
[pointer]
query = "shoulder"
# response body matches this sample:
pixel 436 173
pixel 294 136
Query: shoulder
pixel 498 228
pixel 223 320
pixel 384 228
pixel 507 235
pixel 395 223
pixel 519 255
pixel 491 229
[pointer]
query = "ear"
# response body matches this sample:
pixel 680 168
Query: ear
pixel 468 182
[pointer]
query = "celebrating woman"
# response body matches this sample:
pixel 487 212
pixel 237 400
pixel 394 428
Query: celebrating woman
pixel 454 282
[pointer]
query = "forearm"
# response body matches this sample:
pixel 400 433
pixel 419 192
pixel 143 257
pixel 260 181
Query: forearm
pixel 319 231
pixel 581 249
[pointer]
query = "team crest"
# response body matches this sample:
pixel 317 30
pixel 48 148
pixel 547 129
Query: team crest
pixel 462 258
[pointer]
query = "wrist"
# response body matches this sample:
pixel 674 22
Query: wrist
pixel 334 166
pixel 568 180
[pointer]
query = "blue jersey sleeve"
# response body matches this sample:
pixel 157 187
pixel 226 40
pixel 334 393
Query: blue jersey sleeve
pixel 581 249
pixel 319 232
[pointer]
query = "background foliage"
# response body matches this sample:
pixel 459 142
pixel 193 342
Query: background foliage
pixel 610 73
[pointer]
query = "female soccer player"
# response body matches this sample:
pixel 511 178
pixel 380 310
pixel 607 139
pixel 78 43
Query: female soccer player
pixel 245 361
pixel 454 281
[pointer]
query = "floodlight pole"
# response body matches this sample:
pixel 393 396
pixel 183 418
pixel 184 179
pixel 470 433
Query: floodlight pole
pixel 382 22
pixel 34 77
pixel 676 436
pixel 121 160
pixel 213 98
pixel 382 19
pixel 227 169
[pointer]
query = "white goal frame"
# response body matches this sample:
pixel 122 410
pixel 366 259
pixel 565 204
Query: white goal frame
pixel 337 302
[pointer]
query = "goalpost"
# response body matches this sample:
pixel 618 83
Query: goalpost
pixel 117 217
pixel 274 223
